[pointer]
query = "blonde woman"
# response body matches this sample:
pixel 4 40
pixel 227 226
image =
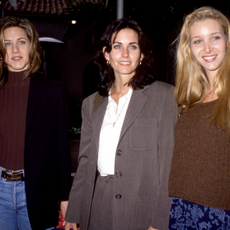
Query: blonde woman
pixel 199 178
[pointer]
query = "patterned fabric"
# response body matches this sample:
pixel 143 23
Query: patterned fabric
pixel 186 215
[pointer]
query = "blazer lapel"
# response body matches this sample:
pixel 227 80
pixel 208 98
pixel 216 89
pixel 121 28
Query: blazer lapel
pixel 34 95
pixel 98 116
pixel 137 102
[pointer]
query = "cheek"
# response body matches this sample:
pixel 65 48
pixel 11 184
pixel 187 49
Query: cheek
pixel 113 57
pixel 27 53
pixel 195 53
pixel 7 57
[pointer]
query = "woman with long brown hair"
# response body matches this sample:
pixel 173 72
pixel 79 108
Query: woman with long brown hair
pixel 34 159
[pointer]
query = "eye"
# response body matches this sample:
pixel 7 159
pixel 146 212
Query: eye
pixel 117 47
pixel 22 42
pixel 7 43
pixel 133 47
pixel 216 38
pixel 197 42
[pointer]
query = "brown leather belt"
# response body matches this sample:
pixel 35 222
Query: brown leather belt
pixel 9 175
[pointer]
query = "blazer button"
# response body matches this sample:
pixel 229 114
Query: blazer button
pixel 118 174
pixel 119 152
pixel 118 196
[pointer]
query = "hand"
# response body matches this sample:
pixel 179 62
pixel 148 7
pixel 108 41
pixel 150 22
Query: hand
pixel 69 226
pixel 63 207
pixel 151 228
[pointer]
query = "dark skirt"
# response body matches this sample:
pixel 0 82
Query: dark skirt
pixel 186 215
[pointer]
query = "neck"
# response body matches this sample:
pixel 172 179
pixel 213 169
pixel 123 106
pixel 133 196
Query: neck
pixel 120 89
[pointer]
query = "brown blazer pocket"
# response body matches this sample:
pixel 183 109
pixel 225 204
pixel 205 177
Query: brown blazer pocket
pixel 143 134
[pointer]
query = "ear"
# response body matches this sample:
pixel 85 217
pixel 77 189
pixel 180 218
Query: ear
pixel 106 54
pixel 142 56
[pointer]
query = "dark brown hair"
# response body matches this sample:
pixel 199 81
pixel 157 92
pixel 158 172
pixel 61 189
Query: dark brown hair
pixel 144 73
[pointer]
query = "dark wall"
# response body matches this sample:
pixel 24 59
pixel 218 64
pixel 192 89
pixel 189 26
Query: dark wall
pixel 66 62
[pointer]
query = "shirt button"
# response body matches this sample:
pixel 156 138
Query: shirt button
pixel 118 174
pixel 119 152
pixel 118 196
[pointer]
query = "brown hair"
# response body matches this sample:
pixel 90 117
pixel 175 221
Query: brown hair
pixel 35 48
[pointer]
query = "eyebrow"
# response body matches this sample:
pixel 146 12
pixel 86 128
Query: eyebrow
pixel 129 43
pixel 210 34
pixel 17 39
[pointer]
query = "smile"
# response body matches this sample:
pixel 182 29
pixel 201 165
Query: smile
pixel 16 58
pixel 210 58
pixel 124 63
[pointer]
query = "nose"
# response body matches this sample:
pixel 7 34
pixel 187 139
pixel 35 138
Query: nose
pixel 207 47
pixel 125 52
pixel 14 48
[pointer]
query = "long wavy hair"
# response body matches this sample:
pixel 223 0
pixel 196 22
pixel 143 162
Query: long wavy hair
pixel 35 48
pixel 191 79
pixel 144 74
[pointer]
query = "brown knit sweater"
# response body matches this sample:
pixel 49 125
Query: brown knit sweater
pixel 13 107
pixel 200 170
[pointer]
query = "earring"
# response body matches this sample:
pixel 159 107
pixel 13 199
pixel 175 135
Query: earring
pixel 140 62
pixel 108 62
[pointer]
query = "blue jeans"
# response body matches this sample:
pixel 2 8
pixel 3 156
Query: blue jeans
pixel 13 209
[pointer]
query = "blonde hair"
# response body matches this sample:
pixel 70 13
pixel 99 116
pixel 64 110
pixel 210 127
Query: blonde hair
pixel 35 49
pixel 191 79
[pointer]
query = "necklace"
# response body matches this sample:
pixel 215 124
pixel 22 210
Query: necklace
pixel 209 93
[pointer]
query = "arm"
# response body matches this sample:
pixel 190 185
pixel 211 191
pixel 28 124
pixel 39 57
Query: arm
pixel 73 210
pixel 166 125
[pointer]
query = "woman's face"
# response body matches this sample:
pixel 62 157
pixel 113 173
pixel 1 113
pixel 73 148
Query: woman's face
pixel 17 49
pixel 208 45
pixel 125 54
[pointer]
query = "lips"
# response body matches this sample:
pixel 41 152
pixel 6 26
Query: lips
pixel 124 62
pixel 210 58
pixel 17 58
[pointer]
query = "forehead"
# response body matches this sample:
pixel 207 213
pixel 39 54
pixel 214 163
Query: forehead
pixel 14 32
pixel 205 27
pixel 127 34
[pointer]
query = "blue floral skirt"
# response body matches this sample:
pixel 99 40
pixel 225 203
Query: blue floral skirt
pixel 186 215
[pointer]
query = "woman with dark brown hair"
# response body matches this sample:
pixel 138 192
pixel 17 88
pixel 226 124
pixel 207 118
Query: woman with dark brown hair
pixel 126 141
pixel 34 159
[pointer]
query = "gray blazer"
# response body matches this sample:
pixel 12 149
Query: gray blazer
pixel 143 157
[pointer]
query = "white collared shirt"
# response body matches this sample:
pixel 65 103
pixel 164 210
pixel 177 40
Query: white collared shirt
pixel 110 133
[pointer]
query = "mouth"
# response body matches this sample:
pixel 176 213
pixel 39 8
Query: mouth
pixel 210 58
pixel 124 62
pixel 16 58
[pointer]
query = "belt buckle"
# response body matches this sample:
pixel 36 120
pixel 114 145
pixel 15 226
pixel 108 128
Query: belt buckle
pixel 13 176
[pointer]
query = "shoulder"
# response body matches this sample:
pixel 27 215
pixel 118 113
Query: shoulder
pixel 159 85
pixel 47 84
pixel 90 100
pixel 159 89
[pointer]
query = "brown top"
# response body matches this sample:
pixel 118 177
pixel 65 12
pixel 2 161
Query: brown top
pixel 13 107
pixel 200 164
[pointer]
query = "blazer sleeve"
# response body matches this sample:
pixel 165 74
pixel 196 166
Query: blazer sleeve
pixel 63 149
pixel 166 126
pixel 73 211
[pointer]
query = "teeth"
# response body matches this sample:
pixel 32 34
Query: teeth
pixel 16 58
pixel 124 62
pixel 208 58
